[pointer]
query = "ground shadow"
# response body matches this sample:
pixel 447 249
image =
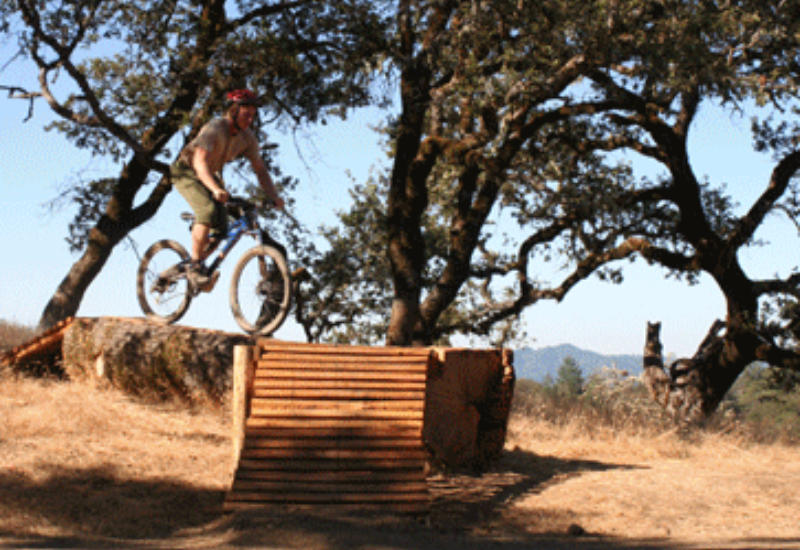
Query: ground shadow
pixel 467 513
pixel 103 508
pixel 461 500
pixel 96 502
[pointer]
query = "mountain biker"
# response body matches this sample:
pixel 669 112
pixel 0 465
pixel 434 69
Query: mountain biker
pixel 197 174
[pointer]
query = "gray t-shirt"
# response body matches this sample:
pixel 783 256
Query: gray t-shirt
pixel 215 137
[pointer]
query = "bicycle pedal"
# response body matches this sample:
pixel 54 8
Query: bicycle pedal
pixel 212 281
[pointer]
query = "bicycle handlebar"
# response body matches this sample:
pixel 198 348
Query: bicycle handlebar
pixel 241 201
pixel 235 201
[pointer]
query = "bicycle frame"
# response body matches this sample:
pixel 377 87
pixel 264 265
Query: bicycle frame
pixel 243 224
pixel 240 226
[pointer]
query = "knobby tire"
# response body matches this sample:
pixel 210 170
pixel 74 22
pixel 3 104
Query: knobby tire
pixel 148 274
pixel 259 310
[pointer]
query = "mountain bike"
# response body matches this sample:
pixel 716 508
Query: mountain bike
pixel 260 290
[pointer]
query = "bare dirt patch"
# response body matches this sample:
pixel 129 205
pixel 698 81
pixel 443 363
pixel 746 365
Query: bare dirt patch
pixel 83 466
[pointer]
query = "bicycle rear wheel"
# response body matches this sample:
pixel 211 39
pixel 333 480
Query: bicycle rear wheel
pixel 261 290
pixel 161 285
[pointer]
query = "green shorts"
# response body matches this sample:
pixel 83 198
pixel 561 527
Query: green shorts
pixel 207 211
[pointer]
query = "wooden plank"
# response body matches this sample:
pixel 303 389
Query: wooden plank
pixel 377 430
pixel 331 498
pixel 333 413
pixel 311 374
pixel 418 486
pixel 41 344
pixel 347 407
pixel 338 423
pixel 363 454
pixel 270 346
pixel 393 507
pixel 264 391
pixel 411 508
pixel 255 442
pixel 293 356
pixel 318 476
pixel 315 359
pixel 388 385
pixel 333 466
pixel 343 367
pixel 343 349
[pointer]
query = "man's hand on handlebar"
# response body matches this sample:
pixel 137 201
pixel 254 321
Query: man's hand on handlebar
pixel 220 195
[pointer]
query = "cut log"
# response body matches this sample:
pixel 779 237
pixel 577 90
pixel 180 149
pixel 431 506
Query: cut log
pixel 151 360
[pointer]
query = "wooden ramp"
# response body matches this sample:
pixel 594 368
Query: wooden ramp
pixel 333 426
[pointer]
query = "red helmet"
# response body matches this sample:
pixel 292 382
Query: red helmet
pixel 242 97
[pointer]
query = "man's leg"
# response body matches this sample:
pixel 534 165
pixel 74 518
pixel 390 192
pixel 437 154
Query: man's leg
pixel 200 232
pixel 197 274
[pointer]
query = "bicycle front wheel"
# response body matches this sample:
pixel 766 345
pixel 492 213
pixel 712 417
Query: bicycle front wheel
pixel 261 290
pixel 161 285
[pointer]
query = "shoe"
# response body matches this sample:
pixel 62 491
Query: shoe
pixel 197 276
pixel 212 281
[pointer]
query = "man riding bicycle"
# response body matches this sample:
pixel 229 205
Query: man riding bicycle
pixel 197 174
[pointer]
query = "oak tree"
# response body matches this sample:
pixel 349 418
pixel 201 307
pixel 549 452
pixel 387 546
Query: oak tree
pixel 517 127
pixel 132 81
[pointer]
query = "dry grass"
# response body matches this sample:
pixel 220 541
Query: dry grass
pixel 81 460
pixel 707 488
pixel 85 466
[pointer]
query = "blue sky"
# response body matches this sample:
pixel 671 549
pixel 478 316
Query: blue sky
pixel 37 165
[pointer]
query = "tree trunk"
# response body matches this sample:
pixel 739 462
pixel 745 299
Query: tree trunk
pixel 68 296
pixel 692 388
pixel 118 220
pixel 404 323
pixel 413 161
pixel 407 201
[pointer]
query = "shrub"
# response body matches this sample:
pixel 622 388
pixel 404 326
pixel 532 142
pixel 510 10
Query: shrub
pixel 14 334
pixel 610 399
pixel 767 401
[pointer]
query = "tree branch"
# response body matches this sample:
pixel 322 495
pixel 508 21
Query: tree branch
pixel 31 18
pixel 530 294
pixel 777 356
pixel 791 285
pixel 778 183
pixel 61 110
pixel 264 11
pixel 15 92
pixel 646 112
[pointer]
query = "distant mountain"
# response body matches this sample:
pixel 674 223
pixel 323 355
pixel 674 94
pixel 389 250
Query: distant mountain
pixel 536 364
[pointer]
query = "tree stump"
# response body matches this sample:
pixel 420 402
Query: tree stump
pixel 149 360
